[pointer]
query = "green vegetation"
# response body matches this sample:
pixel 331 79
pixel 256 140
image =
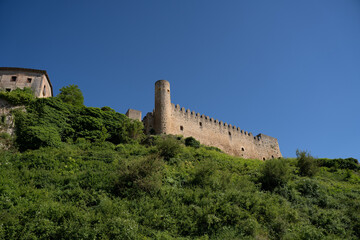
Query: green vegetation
pixel 18 96
pixel 72 95
pixel 307 165
pixel 192 142
pixel 51 122
pixel 274 173
pixel 90 173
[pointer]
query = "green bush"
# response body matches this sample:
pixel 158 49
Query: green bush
pixel 72 95
pixel 168 147
pixel 143 174
pixel 98 190
pixel 306 163
pixel 73 122
pixel 34 137
pixel 274 173
pixel 192 142
pixel 18 96
pixel 339 163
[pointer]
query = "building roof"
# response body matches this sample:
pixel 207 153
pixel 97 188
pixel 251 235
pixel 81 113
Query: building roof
pixel 29 70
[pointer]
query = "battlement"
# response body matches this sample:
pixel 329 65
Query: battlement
pixel 168 118
pixel 209 120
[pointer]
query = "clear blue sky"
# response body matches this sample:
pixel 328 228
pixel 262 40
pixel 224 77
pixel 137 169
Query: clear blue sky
pixel 288 69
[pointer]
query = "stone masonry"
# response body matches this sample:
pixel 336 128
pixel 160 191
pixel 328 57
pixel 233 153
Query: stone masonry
pixel 168 118
pixel 37 80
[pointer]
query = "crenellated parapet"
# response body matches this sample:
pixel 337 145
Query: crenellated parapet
pixel 209 121
pixel 168 118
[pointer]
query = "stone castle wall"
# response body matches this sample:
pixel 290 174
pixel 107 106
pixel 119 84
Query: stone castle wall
pixel 228 138
pixel 168 118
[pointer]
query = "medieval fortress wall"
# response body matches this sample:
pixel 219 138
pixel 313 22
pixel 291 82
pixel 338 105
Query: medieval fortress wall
pixel 168 118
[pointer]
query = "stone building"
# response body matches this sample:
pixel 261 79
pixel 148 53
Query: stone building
pixel 168 118
pixel 37 80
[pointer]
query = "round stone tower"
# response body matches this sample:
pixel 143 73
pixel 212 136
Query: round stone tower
pixel 162 118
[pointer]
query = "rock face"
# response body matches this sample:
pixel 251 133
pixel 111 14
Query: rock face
pixel 37 80
pixel 7 121
pixel 168 118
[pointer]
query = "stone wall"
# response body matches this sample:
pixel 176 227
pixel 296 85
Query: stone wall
pixel 37 80
pixel 228 138
pixel 133 114
pixel 170 119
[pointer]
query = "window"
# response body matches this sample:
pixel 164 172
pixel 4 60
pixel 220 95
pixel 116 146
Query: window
pixel 29 80
pixel 230 134
pixel 181 128
pixel 8 89
pixel 263 158
pixel 13 78
pixel 200 123
pixel 44 91
pixel 168 90
pixel 242 149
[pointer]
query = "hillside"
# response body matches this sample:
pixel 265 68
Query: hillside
pixel 76 172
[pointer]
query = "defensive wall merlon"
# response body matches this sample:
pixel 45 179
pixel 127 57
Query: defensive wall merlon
pixel 197 117
pixel 168 118
pixel 206 119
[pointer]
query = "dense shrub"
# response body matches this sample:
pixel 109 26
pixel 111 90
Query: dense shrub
pixel 35 137
pixel 99 190
pixel 306 163
pixel 168 146
pixel 274 173
pixel 73 122
pixel 143 174
pixel 18 96
pixel 72 95
pixel 339 163
pixel 192 142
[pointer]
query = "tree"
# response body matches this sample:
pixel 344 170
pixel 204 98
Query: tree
pixel 168 147
pixel 72 95
pixel 306 163
pixel 274 173
pixel 192 142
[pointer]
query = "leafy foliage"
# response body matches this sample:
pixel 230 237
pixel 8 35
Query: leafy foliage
pixel 72 95
pixel 348 163
pixel 274 173
pixel 18 96
pixel 306 163
pixel 192 142
pixel 100 190
pixel 142 174
pixel 50 121
pixel 168 147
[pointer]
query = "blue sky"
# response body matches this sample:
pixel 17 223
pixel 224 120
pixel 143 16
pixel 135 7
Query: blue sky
pixel 288 69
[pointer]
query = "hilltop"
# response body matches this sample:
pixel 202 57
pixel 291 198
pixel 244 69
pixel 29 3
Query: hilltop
pixel 77 172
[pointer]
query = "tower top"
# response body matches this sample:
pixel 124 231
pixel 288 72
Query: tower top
pixel 163 81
